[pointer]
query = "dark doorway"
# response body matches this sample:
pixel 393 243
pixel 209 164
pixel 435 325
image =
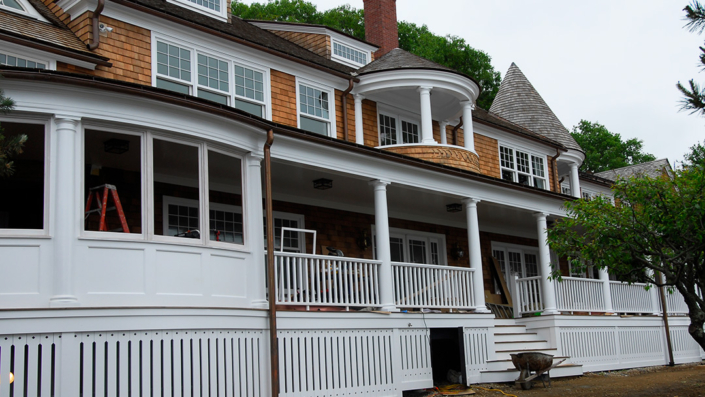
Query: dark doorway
pixel 447 352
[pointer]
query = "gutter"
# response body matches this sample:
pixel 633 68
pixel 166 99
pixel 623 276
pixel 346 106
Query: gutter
pixel 345 108
pixel 96 25
pixel 455 131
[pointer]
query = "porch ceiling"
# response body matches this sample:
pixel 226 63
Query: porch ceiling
pixel 294 183
pixel 444 105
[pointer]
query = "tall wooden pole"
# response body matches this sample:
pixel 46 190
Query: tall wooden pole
pixel 273 345
pixel 665 321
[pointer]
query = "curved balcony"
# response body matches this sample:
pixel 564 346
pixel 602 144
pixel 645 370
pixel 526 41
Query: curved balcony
pixel 450 155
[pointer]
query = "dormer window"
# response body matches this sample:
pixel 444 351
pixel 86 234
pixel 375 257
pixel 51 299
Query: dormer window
pixel 208 4
pixel 12 4
pixel 214 8
pixel 346 52
pixel 21 7
pixel 21 62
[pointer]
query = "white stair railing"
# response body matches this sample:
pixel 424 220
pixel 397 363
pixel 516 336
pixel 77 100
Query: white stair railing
pixel 530 294
pixel 631 298
pixel 304 279
pixel 575 294
pixel 432 286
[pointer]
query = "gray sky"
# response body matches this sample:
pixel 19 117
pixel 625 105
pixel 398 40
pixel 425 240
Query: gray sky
pixel 612 62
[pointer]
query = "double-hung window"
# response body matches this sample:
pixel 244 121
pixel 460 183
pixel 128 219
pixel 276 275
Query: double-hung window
pixel 230 82
pixel 394 130
pixel 314 109
pixel 521 166
pixel 515 259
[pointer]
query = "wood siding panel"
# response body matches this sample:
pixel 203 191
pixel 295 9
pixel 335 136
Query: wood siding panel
pixel 488 150
pixel 339 116
pixel 283 98
pixel 316 43
pixel 369 123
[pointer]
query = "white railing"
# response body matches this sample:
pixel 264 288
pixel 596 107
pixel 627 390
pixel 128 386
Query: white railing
pixel 304 279
pixel 631 298
pixel 530 297
pixel 675 302
pixel 432 286
pixel 575 294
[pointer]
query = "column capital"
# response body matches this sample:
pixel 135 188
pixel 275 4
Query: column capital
pixel 467 104
pixel 424 89
pixel 471 201
pixel 358 97
pixel 573 164
pixel 541 215
pixel 253 158
pixel 379 183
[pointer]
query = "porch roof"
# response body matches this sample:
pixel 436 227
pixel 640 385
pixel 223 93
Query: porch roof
pixel 214 108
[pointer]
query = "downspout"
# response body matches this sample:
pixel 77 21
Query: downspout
pixel 345 109
pixel 273 346
pixel 455 131
pixel 96 28
pixel 555 172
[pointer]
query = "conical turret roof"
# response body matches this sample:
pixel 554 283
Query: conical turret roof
pixel 519 102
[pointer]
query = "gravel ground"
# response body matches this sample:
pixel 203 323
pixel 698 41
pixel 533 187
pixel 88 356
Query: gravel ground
pixel 687 380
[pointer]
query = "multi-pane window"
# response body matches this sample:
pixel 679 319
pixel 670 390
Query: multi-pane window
pixel 519 260
pixel 410 132
pixel 349 53
pixel 11 60
pixel 416 247
pixel 292 239
pixel 388 130
pixel 11 4
pixel 192 72
pixel 389 134
pixel 249 90
pixel 209 4
pixel 313 110
pixel 522 167
pixel 173 62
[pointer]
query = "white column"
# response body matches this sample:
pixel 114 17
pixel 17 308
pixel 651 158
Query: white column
pixel 549 294
pixel 254 229
pixel 478 280
pixel 468 132
pixel 384 252
pixel 605 278
pixel 65 227
pixel 359 130
pixel 574 180
pixel 443 124
pixel 426 116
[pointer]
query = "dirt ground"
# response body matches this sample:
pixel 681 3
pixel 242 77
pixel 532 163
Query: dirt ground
pixel 687 380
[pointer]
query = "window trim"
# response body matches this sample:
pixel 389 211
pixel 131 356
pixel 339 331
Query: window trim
pixel 516 171
pixel 49 64
pixel 232 60
pixel 300 218
pixel 341 59
pixel 221 15
pixel 428 237
pixel 332 132
pixel 49 133
pixel 398 116
pixel 27 10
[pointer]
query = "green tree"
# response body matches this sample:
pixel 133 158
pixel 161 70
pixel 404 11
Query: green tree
pixel 450 51
pixel 658 224
pixel 9 147
pixel 693 95
pixel 605 150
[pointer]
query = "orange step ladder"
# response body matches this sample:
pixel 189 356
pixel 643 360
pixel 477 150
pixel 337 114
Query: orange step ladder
pixel 103 206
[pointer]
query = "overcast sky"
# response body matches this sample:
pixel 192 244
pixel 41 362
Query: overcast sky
pixel 612 62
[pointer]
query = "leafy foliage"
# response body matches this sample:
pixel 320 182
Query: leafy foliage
pixel 693 96
pixel 450 51
pixel 658 224
pixel 11 146
pixel 605 150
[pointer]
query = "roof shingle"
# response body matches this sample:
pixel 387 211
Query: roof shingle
pixel 653 169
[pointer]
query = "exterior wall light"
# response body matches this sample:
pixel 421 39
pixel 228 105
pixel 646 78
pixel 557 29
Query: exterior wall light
pixel 322 184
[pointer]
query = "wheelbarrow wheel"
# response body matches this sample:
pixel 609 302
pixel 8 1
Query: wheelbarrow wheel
pixel 525 385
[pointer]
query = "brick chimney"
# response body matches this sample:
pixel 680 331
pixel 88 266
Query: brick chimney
pixel 381 25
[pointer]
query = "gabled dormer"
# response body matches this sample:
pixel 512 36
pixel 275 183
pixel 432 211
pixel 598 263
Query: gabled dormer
pixel 324 41
pixel 22 7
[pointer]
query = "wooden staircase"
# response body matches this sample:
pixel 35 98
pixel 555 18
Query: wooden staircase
pixel 510 337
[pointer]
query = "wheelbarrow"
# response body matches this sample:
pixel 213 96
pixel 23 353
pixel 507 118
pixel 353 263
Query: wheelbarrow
pixel 539 363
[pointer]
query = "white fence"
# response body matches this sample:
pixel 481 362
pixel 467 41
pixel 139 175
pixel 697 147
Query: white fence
pixel 632 298
pixel 579 295
pixel 303 279
pixel 431 286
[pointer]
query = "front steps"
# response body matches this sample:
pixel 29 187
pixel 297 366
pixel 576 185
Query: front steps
pixel 510 337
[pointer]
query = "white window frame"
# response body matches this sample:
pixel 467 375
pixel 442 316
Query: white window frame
pixel 522 250
pixel 49 64
pixel 292 217
pixel 49 132
pixel 515 171
pixel 398 116
pixel 428 237
pixel 195 87
pixel 147 199
pixel 28 10
pixel 205 233
pixel 221 15
pixel 347 61
pixel 331 105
